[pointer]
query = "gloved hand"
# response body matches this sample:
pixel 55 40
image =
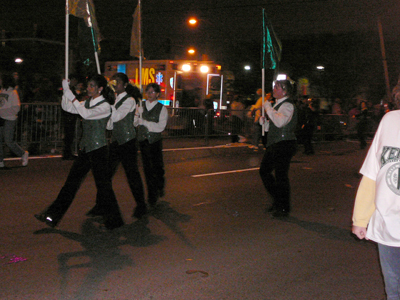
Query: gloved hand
pixel 139 110
pixel 66 90
pixel 141 121
pixel 261 120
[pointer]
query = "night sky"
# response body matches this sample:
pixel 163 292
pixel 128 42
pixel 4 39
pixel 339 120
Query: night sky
pixel 239 19
pixel 232 29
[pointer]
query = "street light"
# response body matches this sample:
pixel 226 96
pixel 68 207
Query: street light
pixel 18 60
pixel 191 51
pixel 192 21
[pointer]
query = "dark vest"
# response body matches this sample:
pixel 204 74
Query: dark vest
pixel 285 133
pixel 93 131
pixel 152 115
pixel 123 130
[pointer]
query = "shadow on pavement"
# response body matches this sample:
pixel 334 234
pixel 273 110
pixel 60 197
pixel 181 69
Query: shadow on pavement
pixel 101 254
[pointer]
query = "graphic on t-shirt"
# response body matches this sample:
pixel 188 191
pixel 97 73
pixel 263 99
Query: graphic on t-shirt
pixel 389 154
pixel 392 178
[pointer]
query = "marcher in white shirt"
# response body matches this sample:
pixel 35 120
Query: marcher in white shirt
pixel 93 155
pixel 151 120
pixel 280 148
pixel 123 147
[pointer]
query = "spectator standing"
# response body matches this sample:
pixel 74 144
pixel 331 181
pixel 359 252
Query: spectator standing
pixel 237 115
pixel 363 124
pixel 209 107
pixel 337 107
pixel 9 108
pixel 309 121
pixel 280 148
pixel 376 214
pixel 93 155
pixel 255 114
pixel 151 120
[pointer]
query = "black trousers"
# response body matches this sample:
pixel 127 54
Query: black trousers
pixel 153 166
pixel 97 161
pixel 127 155
pixel 277 158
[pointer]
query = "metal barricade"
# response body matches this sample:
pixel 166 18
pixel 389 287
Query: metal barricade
pixel 40 128
pixel 195 122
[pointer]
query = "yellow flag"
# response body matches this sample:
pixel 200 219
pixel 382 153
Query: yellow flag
pixel 85 9
pixel 135 45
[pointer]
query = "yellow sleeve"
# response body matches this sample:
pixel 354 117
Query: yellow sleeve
pixel 364 205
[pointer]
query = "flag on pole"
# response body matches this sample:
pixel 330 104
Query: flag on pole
pixel 135 37
pixel 85 9
pixel 272 46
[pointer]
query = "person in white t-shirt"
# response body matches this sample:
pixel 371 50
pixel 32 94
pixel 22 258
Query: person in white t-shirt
pixel 9 109
pixel 376 213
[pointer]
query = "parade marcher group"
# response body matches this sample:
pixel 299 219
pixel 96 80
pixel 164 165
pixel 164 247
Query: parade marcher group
pixel 113 106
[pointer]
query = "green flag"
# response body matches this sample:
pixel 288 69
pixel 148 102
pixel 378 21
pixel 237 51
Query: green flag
pixel 272 46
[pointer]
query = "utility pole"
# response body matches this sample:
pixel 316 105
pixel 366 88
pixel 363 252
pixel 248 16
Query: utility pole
pixel 384 61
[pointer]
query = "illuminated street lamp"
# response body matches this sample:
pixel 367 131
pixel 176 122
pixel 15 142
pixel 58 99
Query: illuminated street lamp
pixel 247 67
pixel 320 68
pixel 18 60
pixel 191 51
pixel 192 21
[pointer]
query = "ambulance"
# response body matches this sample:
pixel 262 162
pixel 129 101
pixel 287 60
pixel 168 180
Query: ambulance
pixel 183 82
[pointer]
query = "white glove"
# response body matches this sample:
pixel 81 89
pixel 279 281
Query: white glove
pixel 261 120
pixel 110 124
pixel 65 84
pixel 66 91
pixel 141 121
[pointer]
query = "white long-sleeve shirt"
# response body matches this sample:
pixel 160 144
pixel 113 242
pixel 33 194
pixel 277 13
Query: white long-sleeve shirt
pixel 126 107
pixel 9 104
pixel 283 115
pixel 153 126
pixel 99 112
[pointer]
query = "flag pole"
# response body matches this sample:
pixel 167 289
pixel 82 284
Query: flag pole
pixel 95 41
pixel 263 75
pixel 66 38
pixel 140 46
pixel 263 94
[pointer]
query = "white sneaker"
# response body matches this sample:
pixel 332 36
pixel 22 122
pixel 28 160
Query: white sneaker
pixel 2 164
pixel 24 159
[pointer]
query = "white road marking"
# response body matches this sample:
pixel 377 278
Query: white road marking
pixel 225 172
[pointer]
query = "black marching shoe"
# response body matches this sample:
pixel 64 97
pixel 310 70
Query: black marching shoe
pixel 140 211
pixel 94 212
pixel 280 213
pixel 112 223
pixel 271 209
pixel 153 201
pixel 49 221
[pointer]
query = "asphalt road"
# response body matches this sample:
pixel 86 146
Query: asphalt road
pixel 210 238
